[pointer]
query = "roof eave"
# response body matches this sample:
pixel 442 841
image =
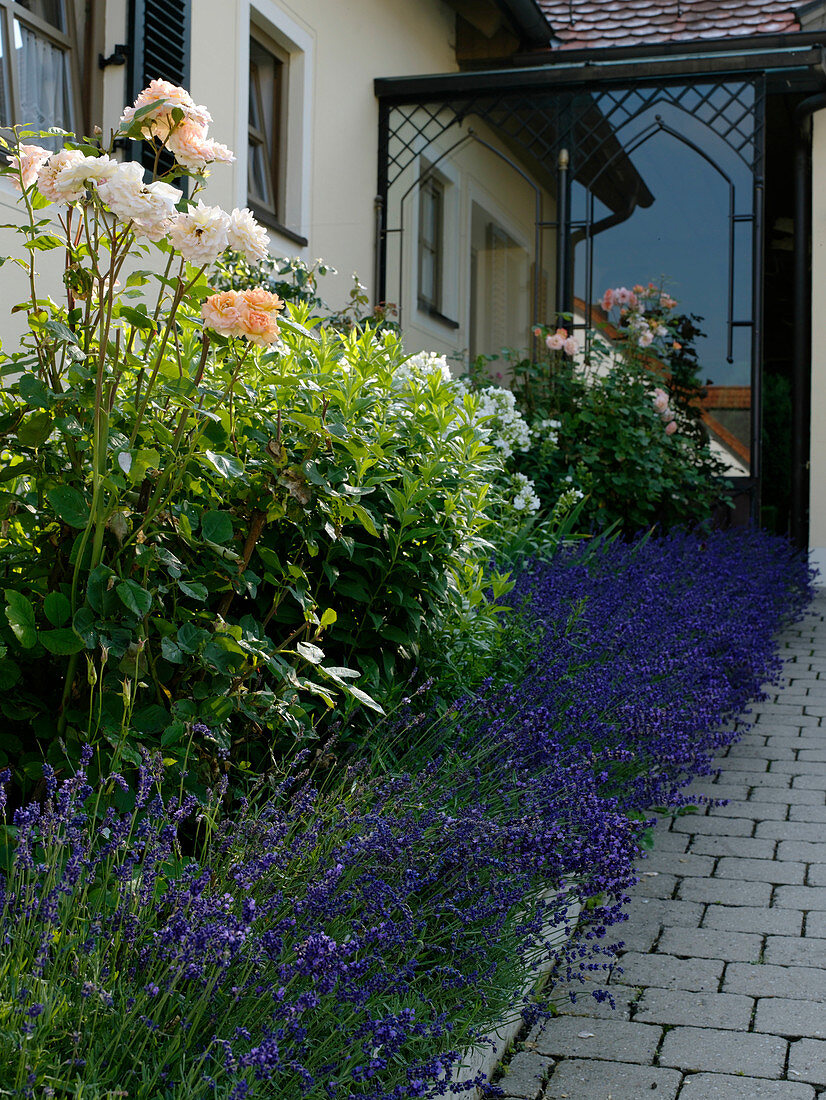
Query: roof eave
pixel 529 20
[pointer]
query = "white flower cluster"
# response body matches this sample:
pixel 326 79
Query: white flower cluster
pixel 418 368
pixel 546 431
pixel 200 234
pixel 525 498
pixel 496 410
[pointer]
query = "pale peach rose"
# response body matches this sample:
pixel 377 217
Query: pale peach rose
pixel 73 181
pixel 193 149
pixel 671 427
pixel 262 300
pixel 660 400
pixel 50 170
pixel 646 338
pixel 554 342
pixel 570 346
pixel 200 235
pixel 26 164
pixel 608 300
pixel 222 312
pixel 260 326
pixel 166 97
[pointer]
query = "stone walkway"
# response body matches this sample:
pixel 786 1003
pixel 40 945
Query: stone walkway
pixel 723 990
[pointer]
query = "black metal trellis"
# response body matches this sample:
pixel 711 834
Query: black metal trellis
pixel 595 129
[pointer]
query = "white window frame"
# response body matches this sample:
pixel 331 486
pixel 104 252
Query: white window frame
pixel 297 44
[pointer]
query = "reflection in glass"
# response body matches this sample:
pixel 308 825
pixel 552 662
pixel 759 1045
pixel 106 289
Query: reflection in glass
pixel 50 11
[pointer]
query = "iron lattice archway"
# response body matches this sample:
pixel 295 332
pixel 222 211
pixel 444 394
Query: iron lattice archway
pixel 581 140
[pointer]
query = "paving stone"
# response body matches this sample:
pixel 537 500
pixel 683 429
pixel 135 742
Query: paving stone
pixel 638 937
pixel 616 1040
pixel 658 911
pixel 761 870
pixel 580 1079
pixel 799 767
pixel 654 885
pixel 727 891
pixel 698 1048
pixel 771 779
pixel 754 811
pixel 524 1075
pixel 812 754
pixel 786 830
pixel 718 792
pixel 719 1086
pixel 666 841
pixel 766 980
pixel 762 753
pixel 678 1007
pixel 795 951
pixel 776 710
pixel 815 927
pixel 586 1005
pixel 749 765
pixel 807 1061
pixel 792 796
pixel 816 875
pixel 801 897
pixel 808 783
pixel 788 1016
pixel 710 943
pixel 696 823
pixel 681 864
pixel 754 918
pixel 742 847
pixel 669 972
pixel 813 815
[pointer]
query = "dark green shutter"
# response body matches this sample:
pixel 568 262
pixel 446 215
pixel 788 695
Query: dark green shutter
pixel 160 39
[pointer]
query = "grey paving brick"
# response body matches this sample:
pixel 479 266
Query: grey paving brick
pixel 808 783
pixel 799 767
pixel 666 841
pixel 813 815
pixel 766 980
pixel 669 972
pixel 754 918
pixel 742 847
pixel 713 826
pixel 795 950
pixel 719 1086
pixel 710 943
pixel 761 870
pixel 638 937
pixel 816 875
pixel 586 1005
pixel 749 765
pixel 719 792
pixel 678 1007
pixel 787 1016
pixel 792 796
pixel 802 850
pixel 697 1049
pixel 786 830
pixel 726 891
pixel 807 1061
pixel 652 884
pixel 775 710
pixel 801 897
pixel 658 911
pixel 812 754
pixel 581 1079
pixel 754 810
pixel 614 1040
pixel 815 927
pixel 762 754
pixel 771 779
pixel 524 1075
pixel 681 864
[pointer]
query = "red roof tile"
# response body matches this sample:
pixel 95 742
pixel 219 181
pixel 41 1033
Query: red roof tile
pixel 585 23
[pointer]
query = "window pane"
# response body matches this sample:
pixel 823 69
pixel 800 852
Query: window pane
pixel 5 107
pixel 258 179
pixel 264 126
pixel 43 74
pixel 50 11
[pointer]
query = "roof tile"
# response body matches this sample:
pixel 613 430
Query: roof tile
pixel 584 23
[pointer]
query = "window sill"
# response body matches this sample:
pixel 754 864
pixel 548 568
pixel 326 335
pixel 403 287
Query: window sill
pixel 269 221
pixel 435 315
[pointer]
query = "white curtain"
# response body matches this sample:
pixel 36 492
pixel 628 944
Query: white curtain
pixel 43 77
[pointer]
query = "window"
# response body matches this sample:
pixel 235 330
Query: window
pixel 267 128
pixel 36 81
pixel 431 246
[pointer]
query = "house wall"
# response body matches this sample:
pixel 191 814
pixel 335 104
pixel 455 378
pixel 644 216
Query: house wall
pixel 817 471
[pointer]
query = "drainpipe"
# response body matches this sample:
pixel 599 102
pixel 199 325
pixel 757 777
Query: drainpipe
pixel 801 363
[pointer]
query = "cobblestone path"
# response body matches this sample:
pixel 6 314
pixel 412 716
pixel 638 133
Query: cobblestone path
pixel 723 990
